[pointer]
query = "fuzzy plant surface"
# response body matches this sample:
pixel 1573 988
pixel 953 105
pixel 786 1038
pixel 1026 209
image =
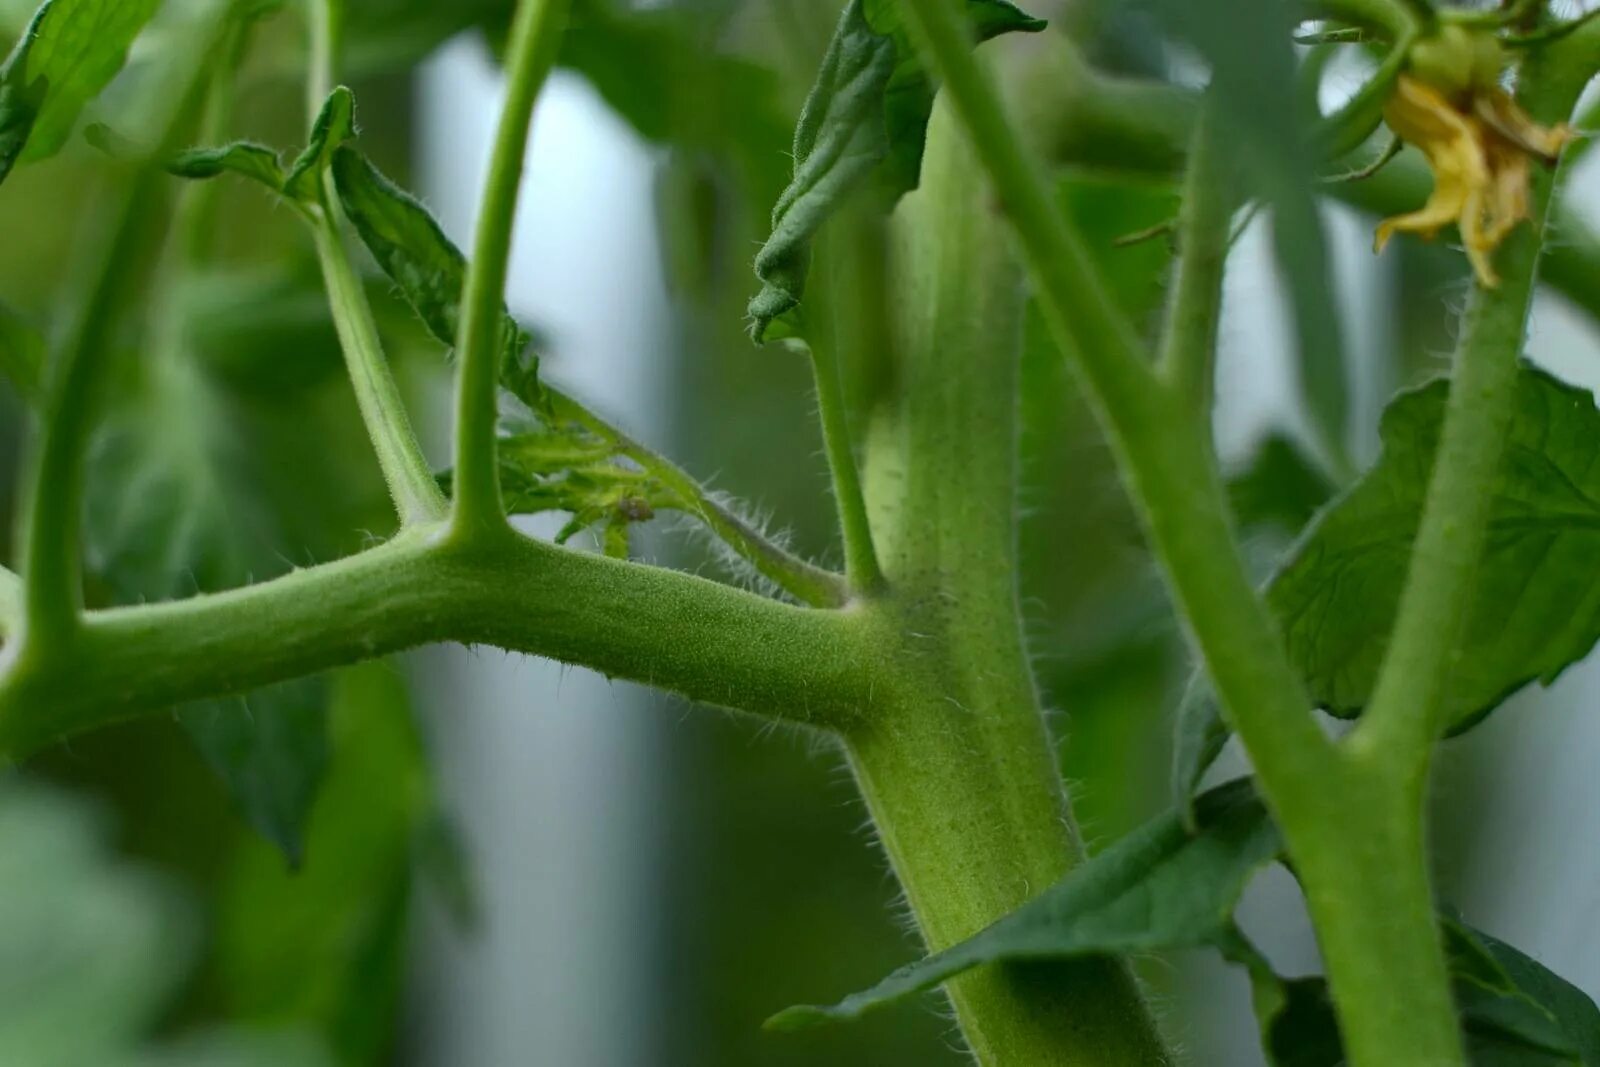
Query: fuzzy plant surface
pixel 935 260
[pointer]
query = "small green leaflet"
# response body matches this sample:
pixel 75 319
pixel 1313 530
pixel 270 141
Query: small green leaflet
pixel 335 126
pixel 245 158
pixel 429 270
pixel 1162 886
pixel 866 117
pixel 69 52
pixel 1536 609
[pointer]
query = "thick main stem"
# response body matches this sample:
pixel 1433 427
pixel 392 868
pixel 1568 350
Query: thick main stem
pixel 958 769
pixel 1161 445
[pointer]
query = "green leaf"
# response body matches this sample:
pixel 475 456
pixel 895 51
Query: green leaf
pixel 1163 886
pixel 171 513
pixel 1199 737
pixel 71 51
pixel 253 161
pixel 429 270
pixel 93 949
pixel 1536 608
pixel 1281 488
pixel 1514 1012
pixel 864 123
pixel 271 747
pixel 659 69
pixel 335 126
pixel 324 946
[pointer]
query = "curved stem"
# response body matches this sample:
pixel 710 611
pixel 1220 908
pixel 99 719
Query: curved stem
pixel 416 494
pixel 535 36
pixel 52 514
pixel 406 472
pixel 708 642
pixel 1188 353
pixel 799 578
pixel 860 556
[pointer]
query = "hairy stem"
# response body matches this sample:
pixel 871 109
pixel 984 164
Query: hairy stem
pixel 959 770
pixel 406 471
pixel 1161 445
pixel 1188 353
pixel 52 513
pixel 1403 718
pixel 801 579
pixel 683 634
pixel 861 557
pixel 535 36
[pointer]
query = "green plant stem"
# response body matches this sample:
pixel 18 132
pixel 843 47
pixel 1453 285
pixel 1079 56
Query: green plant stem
pixel 801 579
pixel 1161 445
pixel 860 555
pixel 1188 353
pixel 705 641
pixel 535 37
pixel 10 602
pixel 416 494
pixel 52 514
pixel 1157 436
pixel 406 470
pixel 958 769
pixel 1404 717
pixel 1081 118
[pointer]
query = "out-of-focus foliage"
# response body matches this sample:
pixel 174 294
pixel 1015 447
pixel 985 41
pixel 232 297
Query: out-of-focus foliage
pixel 94 949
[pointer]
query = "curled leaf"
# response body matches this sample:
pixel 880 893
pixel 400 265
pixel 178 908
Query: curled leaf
pixel 864 123
pixel 421 260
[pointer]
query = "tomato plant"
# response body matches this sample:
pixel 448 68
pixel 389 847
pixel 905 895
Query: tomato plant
pixel 920 248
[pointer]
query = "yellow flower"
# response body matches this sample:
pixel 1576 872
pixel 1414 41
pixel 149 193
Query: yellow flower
pixel 1480 145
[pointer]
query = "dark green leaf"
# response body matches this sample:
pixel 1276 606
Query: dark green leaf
pixel 271 747
pixel 655 68
pixel 385 36
pixel 325 946
pixel 71 51
pixel 429 270
pixel 1162 886
pixel 1536 608
pixel 866 118
pixel 1514 1013
pixel 1198 740
pixel 254 161
pixel 1576 1017
pixel 1280 488
pixel 171 513
pixel 335 126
